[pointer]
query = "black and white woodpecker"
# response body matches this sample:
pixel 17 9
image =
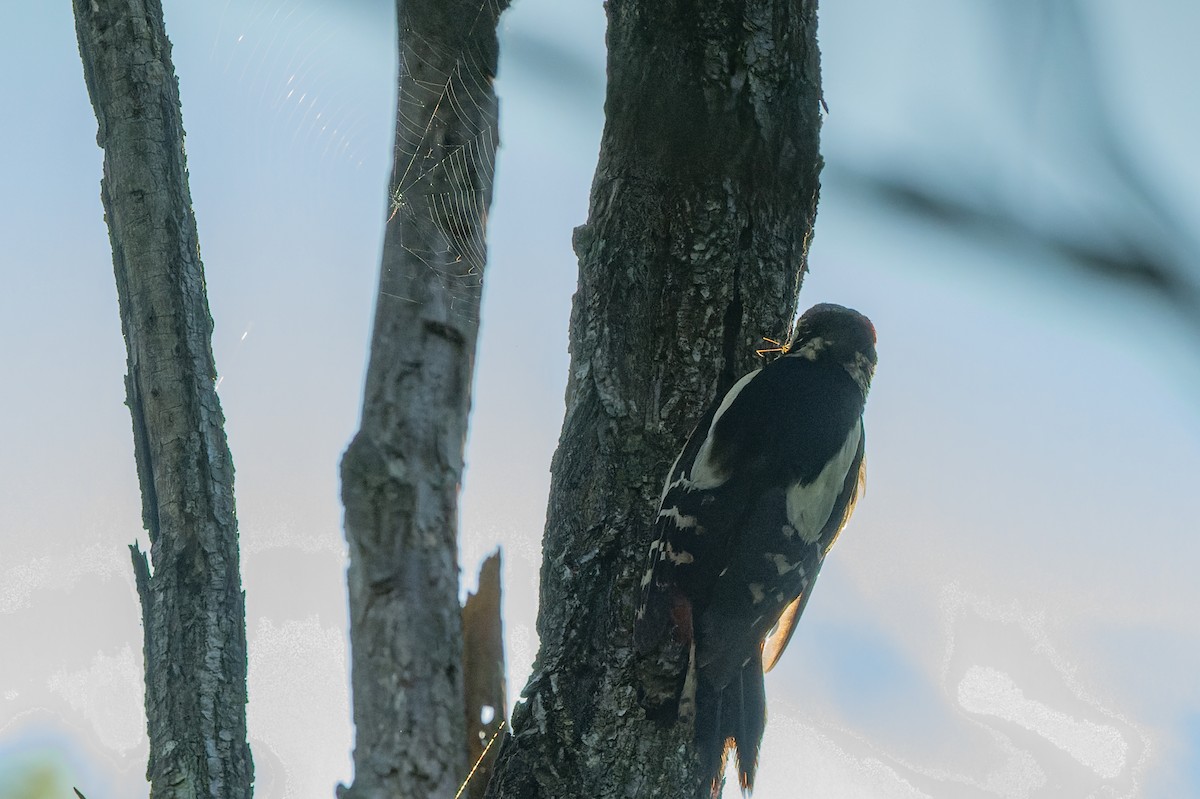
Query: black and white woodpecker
pixel 753 503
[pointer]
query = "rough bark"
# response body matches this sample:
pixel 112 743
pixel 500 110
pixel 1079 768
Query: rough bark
pixel 701 211
pixel 193 609
pixel 401 473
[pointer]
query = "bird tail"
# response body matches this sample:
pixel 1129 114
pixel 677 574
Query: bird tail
pixel 732 717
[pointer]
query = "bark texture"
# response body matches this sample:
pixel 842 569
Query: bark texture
pixel 701 212
pixel 401 473
pixel 193 609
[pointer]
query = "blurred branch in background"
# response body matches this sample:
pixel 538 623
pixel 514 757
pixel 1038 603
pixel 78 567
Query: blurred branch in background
pixel 1125 258
pixel 1086 195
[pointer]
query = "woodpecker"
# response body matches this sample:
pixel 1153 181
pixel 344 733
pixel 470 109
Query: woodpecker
pixel 760 491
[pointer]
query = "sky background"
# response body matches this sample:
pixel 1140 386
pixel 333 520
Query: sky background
pixel 1013 609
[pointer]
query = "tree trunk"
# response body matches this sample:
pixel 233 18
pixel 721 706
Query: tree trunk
pixel 701 213
pixel 401 473
pixel 193 609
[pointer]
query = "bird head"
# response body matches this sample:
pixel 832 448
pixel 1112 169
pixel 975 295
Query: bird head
pixel 834 333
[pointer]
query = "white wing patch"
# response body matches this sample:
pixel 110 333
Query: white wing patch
pixel 705 474
pixel 682 520
pixel 809 506
pixel 780 562
pixel 678 558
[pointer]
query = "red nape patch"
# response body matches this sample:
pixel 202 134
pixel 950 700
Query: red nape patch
pixel 681 617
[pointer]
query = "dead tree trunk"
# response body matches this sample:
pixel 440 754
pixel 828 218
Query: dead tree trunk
pixel 701 213
pixel 484 676
pixel 401 473
pixel 193 609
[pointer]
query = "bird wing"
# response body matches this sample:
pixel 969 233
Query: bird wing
pixel 781 634
pixel 777 640
pixel 856 481
pixel 671 555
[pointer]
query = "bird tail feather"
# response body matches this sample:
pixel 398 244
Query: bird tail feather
pixel 728 718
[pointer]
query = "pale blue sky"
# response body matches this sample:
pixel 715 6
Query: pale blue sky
pixel 1012 612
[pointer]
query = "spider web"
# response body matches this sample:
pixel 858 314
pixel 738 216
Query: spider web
pixel 289 58
pixel 445 179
